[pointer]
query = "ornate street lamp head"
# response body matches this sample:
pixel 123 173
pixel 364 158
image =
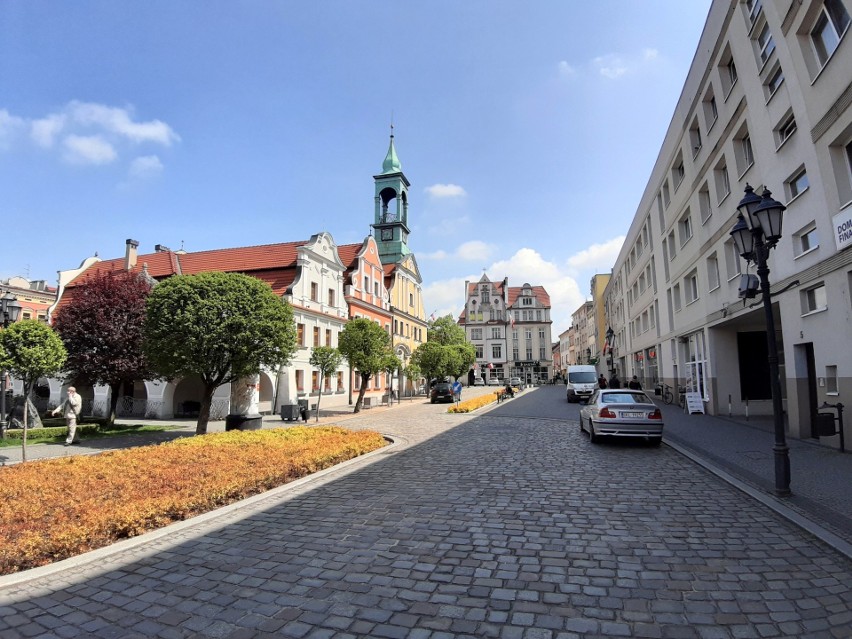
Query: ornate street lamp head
pixel 769 215
pixel 743 238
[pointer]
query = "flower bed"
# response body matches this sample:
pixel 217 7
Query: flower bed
pixel 472 404
pixel 58 508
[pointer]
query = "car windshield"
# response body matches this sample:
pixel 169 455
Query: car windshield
pixel 625 398
pixel 582 377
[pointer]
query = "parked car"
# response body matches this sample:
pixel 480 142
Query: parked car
pixel 442 391
pixel 478 381
pixel 495 381
pixel 619 412
pixel 516 382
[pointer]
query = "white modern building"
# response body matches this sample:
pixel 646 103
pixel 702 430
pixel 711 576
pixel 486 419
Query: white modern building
pixel 766 103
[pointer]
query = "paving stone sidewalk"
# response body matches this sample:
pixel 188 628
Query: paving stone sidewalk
pixel 472 526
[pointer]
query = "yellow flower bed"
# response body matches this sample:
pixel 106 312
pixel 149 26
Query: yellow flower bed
pixel 472 404
pixel 58 508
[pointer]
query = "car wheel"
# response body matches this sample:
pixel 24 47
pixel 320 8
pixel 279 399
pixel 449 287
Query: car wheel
pixel 592 437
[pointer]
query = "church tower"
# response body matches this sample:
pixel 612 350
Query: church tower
pixel 391 216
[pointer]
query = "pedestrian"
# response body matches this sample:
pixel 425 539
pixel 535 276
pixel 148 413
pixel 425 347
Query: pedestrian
pixel 634 384
pixel 601 381
pixel 70 409
pixel 614 382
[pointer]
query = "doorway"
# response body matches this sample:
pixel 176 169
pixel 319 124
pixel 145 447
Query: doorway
pixel 806 363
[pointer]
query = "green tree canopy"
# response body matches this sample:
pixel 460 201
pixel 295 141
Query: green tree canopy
pixel 326 360
pixel 102 329
pixel 29 350
pixel 219 326
pixel 366 346
pixel 446 331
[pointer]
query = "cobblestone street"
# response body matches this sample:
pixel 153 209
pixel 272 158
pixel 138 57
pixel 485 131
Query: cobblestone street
pixel 471 526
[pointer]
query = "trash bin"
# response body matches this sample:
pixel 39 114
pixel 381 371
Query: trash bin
pixel 290 412
pixel 303 409
pixel 825 425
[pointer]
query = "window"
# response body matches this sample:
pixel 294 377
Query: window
pixel 376 289
pixel 411 300
pixel 328 337
pixel 765 44
pixel 690 286
pixel 784 130
pixel 754 7
pixel 723 182
pixel 797 184
pixel 672 251
pixel 704 206
pixel 676 296
pixel 695 137
pixel 314 292
pixel 805 240
pixel 300 334
pixel 773 81
pixel 316 336
pixel 744 153
pixel 831 380
pixel 476 333
pixel 712 273
pixel 300 380
pixel 711 113
pixel 496 351
pixel 727 72
pixel 339 381
pixel 684 227
pixel 331 297
pixel 314 381
pixel 495 333
pixel 732 260
pixel 678 172
pixel 814 299
pixel 829 28
pixel 666 195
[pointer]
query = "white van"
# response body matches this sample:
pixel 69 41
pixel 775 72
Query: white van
pixel 582 382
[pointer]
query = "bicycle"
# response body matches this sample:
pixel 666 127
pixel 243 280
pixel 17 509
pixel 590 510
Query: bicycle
pixel 665 392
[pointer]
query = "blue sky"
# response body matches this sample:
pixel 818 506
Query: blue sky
pixel 528 130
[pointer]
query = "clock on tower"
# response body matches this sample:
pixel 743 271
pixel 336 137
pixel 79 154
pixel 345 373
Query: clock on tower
pixel 387 235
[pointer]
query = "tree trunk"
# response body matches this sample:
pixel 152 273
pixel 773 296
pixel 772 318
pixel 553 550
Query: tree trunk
pixel 365 378
pixel 204 411
pixel 114 390
pixel 319 396
pixel 28 388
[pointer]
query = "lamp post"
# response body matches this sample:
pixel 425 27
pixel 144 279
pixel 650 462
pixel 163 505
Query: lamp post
pixel 758 230
pixel 9 309
pixel 610 334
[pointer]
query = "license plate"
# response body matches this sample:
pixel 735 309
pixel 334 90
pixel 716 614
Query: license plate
pixel 628 414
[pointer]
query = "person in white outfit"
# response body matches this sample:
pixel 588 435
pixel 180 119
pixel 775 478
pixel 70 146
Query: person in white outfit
pixel 70 410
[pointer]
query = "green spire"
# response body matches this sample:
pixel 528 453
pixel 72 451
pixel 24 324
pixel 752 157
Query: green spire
pixel 391 163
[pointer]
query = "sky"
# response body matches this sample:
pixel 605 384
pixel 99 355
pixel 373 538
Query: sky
pixel 528 130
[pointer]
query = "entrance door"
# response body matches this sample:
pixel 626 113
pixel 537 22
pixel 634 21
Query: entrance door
pixel 812 388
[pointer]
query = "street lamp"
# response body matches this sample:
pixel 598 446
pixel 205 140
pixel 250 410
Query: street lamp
pixel 758 230
pixel 9 309
pixel 610 334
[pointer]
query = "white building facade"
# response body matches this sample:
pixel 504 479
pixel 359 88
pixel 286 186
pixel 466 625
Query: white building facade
pixel 765 103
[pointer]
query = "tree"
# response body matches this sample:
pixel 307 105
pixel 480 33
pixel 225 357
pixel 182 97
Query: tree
pixel 365 345
pixel 102 329
pixel 29 350
pixel 446 331
pixel 391 365
pixel 326 360
pixel 219 326
pixel 447 353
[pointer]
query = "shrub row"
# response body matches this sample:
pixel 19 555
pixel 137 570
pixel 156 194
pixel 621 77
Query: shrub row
pixel 472 404
pixel 58 508
pixel 55 427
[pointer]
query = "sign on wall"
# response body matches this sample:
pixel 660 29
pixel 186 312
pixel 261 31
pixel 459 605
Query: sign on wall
pixel 842 228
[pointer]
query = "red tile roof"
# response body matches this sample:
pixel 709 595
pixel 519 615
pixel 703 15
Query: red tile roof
pixel 538 292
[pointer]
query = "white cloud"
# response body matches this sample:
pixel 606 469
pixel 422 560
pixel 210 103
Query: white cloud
pixel 445 190
pixel 472 251
pixel 614 66
pixel 91 149
pixel 10 126
pixel 119 122
pixel 45 130
pixel 567 285
pixel 598 257
pixel 566 69
pixel 146 166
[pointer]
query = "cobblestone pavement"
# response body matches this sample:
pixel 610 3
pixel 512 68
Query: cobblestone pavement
pixel 472 526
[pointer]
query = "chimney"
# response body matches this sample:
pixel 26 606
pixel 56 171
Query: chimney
pixel 130 254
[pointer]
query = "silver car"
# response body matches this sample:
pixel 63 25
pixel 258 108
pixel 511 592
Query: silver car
pixel 620 412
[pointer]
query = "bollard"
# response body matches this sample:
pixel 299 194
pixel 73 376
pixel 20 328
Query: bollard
pixel 839 408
